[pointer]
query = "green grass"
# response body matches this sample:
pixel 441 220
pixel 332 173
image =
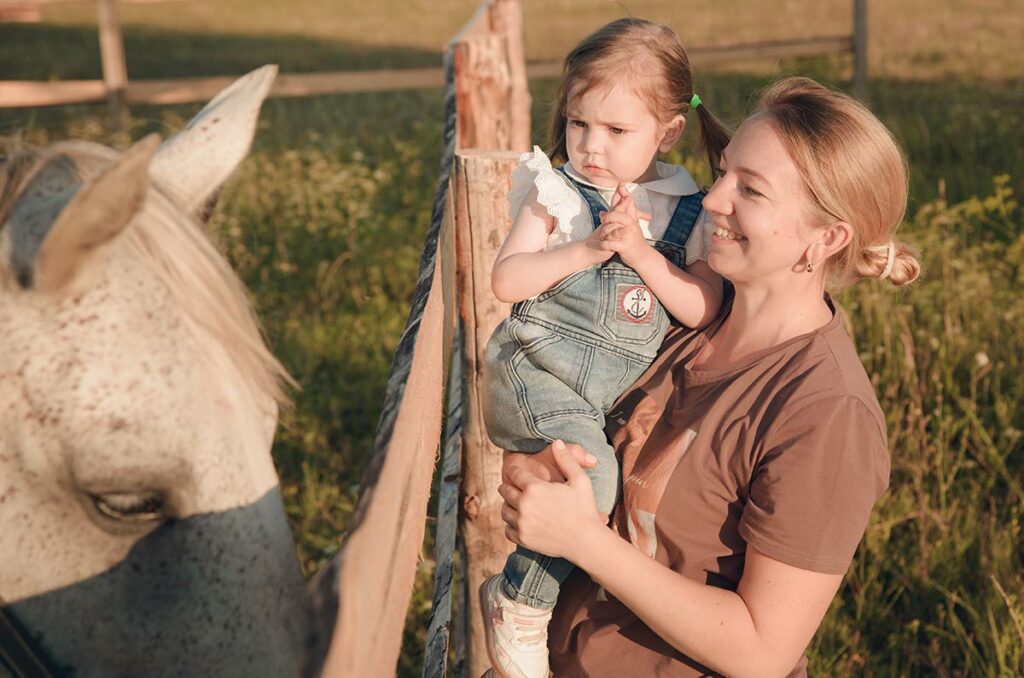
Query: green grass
pixel 326 218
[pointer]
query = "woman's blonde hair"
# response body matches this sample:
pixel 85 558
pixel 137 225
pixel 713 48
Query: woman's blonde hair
pixel 854 171
pixel 648 56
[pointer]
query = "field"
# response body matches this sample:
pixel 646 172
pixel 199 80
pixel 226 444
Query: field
pixel 325 221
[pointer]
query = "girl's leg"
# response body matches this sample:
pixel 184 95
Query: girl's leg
pixel 532 578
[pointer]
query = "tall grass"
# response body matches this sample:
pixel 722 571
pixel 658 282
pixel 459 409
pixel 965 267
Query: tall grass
pixel 937 584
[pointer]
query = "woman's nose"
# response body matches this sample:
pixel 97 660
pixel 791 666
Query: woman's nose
pixel 716 199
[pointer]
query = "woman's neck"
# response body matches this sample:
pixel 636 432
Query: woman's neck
pixel 761 318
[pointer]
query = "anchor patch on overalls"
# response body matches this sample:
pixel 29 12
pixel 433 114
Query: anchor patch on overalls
pixel 635 303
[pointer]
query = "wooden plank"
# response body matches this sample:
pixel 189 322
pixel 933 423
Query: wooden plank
pixel 115 70
pixel 378 569
pixel 24 93
pixel 371 578
pixel 481 184
pixel 20 12
pixel 289 85
pixel 506 18
pixel 860 49
pixel 711 56
pixel 483 92
pixel 27 93
pixel 435 655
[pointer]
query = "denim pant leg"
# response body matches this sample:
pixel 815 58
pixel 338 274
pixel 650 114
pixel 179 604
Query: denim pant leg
pixel 534 578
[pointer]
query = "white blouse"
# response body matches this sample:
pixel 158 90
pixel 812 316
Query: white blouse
pixel 572 215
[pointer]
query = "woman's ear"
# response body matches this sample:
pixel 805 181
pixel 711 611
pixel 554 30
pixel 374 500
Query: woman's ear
pixel 830 240
pixel 673 131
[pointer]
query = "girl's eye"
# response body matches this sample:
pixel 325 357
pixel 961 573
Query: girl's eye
pixel 616 130
pixel 578 123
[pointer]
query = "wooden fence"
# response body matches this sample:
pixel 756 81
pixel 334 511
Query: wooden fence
pixel 364 593
pixel 120 92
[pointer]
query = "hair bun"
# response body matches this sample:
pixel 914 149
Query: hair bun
pixel 894 260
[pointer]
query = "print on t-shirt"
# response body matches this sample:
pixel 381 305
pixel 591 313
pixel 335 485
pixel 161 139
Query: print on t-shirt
pixel 642 490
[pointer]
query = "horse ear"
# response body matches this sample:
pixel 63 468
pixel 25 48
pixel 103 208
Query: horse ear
pixel 97 213
pixel 194 164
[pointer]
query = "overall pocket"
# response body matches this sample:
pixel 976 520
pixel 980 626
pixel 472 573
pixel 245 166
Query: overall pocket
pixel 629 312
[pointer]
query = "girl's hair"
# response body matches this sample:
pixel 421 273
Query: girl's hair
pixel 854 171
pixel 649 56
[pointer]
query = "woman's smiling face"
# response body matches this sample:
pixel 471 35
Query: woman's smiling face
pixel 760 208
pixel 612 136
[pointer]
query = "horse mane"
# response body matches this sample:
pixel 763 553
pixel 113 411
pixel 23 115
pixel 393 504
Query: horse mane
pixel 176 249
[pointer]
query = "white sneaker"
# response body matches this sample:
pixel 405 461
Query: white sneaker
pixel 516 634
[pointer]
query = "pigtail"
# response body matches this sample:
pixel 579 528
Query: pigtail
pixel 557 151
pixel 714 137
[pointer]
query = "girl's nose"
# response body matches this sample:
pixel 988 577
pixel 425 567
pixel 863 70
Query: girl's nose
pixel 591 141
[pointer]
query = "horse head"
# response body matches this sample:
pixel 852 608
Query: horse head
pixel 141 524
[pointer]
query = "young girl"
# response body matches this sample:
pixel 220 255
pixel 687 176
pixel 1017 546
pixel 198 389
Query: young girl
pixel 601 252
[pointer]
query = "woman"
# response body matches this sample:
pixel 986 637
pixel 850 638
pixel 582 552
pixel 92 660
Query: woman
pixel 752 451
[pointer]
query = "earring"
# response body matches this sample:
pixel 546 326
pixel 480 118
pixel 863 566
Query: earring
pixel 810 267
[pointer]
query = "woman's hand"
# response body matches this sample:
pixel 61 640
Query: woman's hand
pixel 550 509
pixel 620 228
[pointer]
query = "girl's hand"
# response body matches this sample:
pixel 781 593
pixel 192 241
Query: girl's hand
pixel 549 516
pixel 620 228
pixel 598 248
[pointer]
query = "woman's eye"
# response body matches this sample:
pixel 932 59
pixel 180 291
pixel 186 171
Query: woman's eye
pixel 751 192
pixel 719 172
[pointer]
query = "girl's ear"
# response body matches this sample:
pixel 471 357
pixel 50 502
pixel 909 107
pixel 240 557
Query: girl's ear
pixel 673 131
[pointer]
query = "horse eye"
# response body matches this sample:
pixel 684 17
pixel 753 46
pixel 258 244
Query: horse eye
pixel 132 507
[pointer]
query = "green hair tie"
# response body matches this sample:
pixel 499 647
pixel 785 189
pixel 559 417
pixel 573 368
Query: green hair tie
pixel 695 101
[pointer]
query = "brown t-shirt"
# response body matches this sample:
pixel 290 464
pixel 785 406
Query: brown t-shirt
pixel 785 451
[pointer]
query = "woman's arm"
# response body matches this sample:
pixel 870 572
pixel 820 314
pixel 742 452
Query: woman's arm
pixel 524 269
pixel 693 296
pixel 759 630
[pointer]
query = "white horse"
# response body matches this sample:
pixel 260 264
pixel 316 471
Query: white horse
pixel 141 524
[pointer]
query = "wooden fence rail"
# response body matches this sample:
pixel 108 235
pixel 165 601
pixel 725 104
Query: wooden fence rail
pixel 119 91
pixel 30 93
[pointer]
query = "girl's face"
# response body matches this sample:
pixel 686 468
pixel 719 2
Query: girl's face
pixel 612 137
pixel 764 229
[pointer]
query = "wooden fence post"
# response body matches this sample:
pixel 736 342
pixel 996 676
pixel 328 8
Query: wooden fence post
pixel 483 92
pixel 115 71
pixel 860 50
pixel 506 18
pixel 481 182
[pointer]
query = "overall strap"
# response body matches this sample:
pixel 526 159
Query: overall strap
pixel 684 218
pixel 590 195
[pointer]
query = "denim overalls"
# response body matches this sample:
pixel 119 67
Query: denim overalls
pixel 558 363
